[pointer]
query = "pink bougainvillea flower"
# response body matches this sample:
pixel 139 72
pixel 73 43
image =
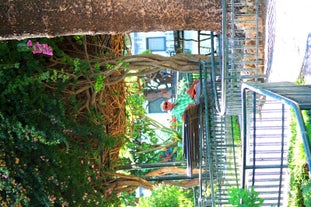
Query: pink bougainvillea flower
pixel 37 48
pixel 40 48
pixel 47 50
pixel 29 43
pixel 5 176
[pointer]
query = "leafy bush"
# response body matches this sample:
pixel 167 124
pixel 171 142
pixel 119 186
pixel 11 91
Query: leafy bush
pixel 167 196
pixel 41 164
pixel 242 197
pixel 306 191
pixel 298 162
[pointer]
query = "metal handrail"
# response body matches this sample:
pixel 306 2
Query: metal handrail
pixel 294 105
pixel 200 132
pixel 206 126
pixel 213 75
pixel 223 106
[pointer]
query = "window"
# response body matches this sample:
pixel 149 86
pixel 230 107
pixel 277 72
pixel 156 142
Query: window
pixel 156 43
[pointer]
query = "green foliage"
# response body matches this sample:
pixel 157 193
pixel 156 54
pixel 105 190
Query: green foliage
pixel 146 146
pixel 99 83
pixel 306 191
pixel 97 67
pixel 300 80
pixel 241 197
pixel 149 141
pixel 127 199
pixel 54 76
pixel 23 95
pixel 78 66
pixel 146 52
pixel 11 193
pixel 119 64
pixel 109 66
pixel 40 164
pixel 298 162
pixel 79 39
pixel 167 196
pixel 307 119
pixel 236 129
pixel 182 87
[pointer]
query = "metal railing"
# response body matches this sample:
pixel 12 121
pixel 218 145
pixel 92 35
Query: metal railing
pixel 266 136
pixel 242 58
pixel 264 111
pixel 219 153
pixel 242 51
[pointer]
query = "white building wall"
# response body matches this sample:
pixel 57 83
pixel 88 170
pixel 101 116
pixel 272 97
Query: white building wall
pixel 139 41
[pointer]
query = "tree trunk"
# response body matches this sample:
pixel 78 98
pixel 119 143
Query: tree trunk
pixel 20 19
pixel 155 94
pixel 185 183
pixel 120 182
pixel 170 170
pixel 141 65
pixel 174 170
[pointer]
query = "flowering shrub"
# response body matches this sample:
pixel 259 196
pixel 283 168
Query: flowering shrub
pixel 40 48
pixel 40 164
